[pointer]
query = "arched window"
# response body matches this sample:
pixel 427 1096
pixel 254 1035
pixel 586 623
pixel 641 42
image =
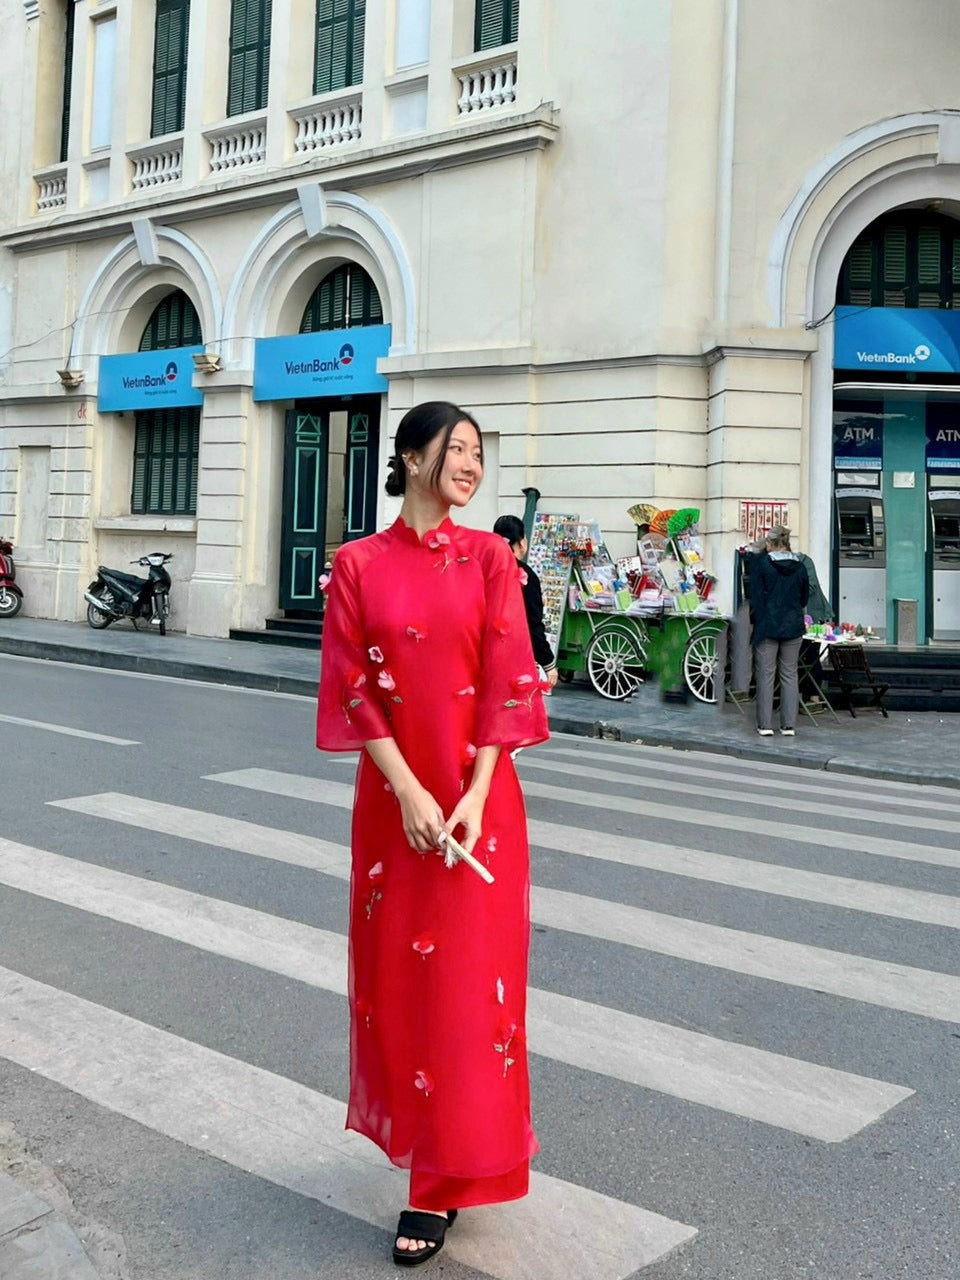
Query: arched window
pixel 908 258
pixel 344 299
pixel 167 441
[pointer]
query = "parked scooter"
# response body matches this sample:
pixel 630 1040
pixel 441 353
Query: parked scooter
pixel 11 597
pixel 115 595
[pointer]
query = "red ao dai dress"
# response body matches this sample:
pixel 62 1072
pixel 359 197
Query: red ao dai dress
pixel 426 641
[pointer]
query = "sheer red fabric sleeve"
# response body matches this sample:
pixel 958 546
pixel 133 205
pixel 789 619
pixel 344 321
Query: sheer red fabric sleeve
pixel 510 710
pixel 348 705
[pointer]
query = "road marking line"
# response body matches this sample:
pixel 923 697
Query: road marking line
pixel 891 986
pixel 823 784
pixel 861 813
pixel 70 733
pixel 927 908
pixel 293 1136
pixel 818 1102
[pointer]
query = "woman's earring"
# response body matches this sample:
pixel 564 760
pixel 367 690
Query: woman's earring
pixel 414 471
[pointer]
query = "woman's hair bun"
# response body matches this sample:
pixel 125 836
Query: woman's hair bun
pixel 396 481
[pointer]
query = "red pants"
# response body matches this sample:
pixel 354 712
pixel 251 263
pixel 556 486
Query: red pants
pixel 433 1192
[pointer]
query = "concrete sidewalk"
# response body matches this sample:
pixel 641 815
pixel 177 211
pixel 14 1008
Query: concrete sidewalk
pixel 910 746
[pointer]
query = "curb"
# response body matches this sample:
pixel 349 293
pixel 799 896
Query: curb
pixel 585 726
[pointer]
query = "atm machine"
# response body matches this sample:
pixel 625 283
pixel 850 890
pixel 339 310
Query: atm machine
pixel 944 507
pixel 861 555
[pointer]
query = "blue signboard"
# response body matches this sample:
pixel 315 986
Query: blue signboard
pixel 913 340
pixel 331 362
pixel 147 380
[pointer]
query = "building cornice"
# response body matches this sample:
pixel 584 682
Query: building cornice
pixel 391 162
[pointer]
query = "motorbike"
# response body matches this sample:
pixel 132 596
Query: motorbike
pixel 11 597
pixel 113 595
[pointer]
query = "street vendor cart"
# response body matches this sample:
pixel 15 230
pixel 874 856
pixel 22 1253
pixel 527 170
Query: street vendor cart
pixel 621 623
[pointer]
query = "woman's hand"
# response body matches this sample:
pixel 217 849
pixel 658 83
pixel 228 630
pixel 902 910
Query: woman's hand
pixel 422 817
pixel 469 815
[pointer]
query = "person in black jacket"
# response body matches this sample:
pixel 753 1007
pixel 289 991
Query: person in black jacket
pixel 511 528
pixel 779 589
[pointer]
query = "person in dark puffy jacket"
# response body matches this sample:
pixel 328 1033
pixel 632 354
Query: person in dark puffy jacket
pixel 779 589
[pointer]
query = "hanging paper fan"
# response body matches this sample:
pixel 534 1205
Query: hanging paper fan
pixel 682 519
pixel 642 512
pixel 661 521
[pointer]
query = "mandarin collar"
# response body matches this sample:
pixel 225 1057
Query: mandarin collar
pixel 442 535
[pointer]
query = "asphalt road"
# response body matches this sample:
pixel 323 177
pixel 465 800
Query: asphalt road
pixel 745 1012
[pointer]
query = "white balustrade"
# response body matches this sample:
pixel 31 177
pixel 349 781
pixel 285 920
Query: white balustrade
pixel 51 190
pixel 482 88
pixel 327 124
pixel 237 146
pixel 157 165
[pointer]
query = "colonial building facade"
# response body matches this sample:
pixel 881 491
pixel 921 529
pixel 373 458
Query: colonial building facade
pixel 239 238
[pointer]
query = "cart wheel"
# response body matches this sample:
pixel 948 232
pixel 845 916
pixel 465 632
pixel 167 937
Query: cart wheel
pixel 700 666
pixel 614 663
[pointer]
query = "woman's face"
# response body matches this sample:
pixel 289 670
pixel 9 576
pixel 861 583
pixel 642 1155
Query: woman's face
pixel 462 467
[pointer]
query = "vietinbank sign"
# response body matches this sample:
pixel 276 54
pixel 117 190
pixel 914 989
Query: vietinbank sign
pixel 899 338
pixel 331 362
pixel 147 380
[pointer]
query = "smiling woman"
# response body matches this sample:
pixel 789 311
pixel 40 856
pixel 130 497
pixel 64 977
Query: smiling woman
pixel 427 667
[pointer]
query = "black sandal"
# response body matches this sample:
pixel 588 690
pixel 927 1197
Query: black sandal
pixel 417 1225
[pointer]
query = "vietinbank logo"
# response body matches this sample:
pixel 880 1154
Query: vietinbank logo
pixel 346 354
pixel 919 354
pixel 144 381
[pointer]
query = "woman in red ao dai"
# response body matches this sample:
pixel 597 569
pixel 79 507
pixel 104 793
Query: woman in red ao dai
pixel 427 668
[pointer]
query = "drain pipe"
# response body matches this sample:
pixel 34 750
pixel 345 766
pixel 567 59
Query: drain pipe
pixel 531 498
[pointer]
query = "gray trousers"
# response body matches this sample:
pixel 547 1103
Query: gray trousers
pixel 767 653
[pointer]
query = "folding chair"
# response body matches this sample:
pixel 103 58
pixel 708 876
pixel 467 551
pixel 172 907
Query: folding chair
pixel 850 666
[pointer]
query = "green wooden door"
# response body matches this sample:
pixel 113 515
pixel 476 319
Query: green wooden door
pixel 303 526
pixel 360 471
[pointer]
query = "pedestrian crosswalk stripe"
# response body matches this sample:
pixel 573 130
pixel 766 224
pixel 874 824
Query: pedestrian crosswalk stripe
pixel 872 807
pixel 293 1136
pixel 918 905
pixel 321 791
pixel 816 1101
pixel 677 759
pixel 879 982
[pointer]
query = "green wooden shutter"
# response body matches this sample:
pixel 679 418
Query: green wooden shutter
pixel 249 56
pixel 170 66
pixel 497 22
pixel 67 78
pixel 338 57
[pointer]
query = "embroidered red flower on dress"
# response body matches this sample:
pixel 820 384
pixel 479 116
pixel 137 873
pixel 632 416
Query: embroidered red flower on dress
pixel 522 576
pixel 323 582
pixel 386 681
pixel 519 684
pixel 375 874
pixel 469 754
pixel 424 1080
pixel 466 692
pixel 492 845
pixel 375 653
pixel 417 633
pixel 435 539
pixel 355 678
pixel 424 945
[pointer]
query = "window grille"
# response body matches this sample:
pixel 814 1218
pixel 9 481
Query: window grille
pixel 347 298
pixel 905 259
